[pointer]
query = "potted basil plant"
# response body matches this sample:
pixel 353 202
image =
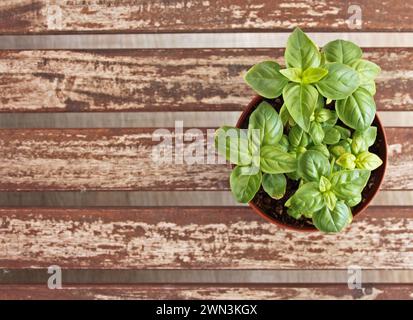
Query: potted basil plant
pixel 309 151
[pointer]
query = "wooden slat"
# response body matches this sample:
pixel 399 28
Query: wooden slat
pixel 181 80
pixel 197 238
pixel 121 159
pixel 100 159
pixel 44 16
pixel 241 292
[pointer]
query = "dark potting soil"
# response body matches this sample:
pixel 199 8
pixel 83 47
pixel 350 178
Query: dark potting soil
pixel 276 209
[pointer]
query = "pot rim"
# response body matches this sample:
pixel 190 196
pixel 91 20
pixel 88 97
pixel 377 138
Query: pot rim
pixel 359 208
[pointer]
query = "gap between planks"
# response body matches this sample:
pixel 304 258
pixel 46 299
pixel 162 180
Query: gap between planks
pixel 197 40
pixel 201 119
pixel 155 198
pixel 112 276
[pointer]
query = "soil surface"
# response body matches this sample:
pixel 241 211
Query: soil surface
pixel 276 210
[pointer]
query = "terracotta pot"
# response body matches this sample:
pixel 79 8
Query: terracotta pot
pixel 367 198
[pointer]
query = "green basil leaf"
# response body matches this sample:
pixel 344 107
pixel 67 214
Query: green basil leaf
pixel 294 213
pixel 322 115
pixel 265 79
pixel 327 220
pixel 286 117
pixel 244 186
pixel 297 137
pixel 354 201
pixel 316 133
pixel 358 144
pixel 323 59
pixel 369 135
pixel 312 165
pixel 369 161
pixel 344 132
pixel 332 121
pixel 268 124
pixel 283 143
pixel 370 86
pixel 340 82
pixel 341 147
pixel 293 175
pixel 347 184
pixel 320 102
pixel 366 70
pixel 312 75
pixel 301 52
pixel 330 199
pixel 232 143
pixel 347 161
pixel 307 199
pixel 274 160
pixel 254 143
pixel 322 149
pixel 331 135
pixel 306 213
pixel 342 51
pixel 301 100
pixel 299 151
pixel 358 110
pixel 335 167
pixel 274 185
pixel 292 74
pixel 324 185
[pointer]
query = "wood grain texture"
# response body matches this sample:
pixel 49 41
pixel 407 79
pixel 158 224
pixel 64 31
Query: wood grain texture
pixel 46 16
pixel 162 80
pixel 121 159
pixel 199 292
pixel 98 159
pixel 197 238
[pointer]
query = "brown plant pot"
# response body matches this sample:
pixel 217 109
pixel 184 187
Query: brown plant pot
pixel 282 219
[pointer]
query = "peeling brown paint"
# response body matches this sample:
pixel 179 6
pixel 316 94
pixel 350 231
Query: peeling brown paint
pixel 97 159
pixel 234 292
pixel 212 15
pixel 162 80
pixel 197 238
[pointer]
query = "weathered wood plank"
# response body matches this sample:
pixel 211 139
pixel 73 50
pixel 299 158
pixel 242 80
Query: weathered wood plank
pixel 197 238
pixel 121 159
pixel 162 80
pixel 100 159
pixel 399 174
pixel 45 16
pixel 195 292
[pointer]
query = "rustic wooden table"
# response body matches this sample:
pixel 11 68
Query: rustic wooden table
pixel 83 85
